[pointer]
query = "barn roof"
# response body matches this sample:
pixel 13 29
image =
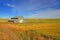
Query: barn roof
pixel 18 17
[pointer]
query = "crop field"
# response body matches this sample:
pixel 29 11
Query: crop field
pixel 31 29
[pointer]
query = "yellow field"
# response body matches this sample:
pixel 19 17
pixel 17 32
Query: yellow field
pixel 17 31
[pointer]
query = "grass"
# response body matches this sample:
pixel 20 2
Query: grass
pixel 49 27
pixel 45 27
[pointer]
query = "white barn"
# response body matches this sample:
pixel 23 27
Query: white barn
pixel 18 19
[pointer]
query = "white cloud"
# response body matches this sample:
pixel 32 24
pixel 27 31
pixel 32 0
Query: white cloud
pixel 10 5
pixel 40 4
pixel 32 5
pixel 47 14
pixel 36 5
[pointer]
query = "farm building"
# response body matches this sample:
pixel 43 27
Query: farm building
pixel 18 19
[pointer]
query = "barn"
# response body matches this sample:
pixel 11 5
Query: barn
pixel 18 19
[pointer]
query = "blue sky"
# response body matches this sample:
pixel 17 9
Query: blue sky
pixel 30 8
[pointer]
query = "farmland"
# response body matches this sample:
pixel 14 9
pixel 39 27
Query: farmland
pixel 31 29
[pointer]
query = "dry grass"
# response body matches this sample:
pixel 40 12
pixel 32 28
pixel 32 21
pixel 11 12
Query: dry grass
pixel 17 31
